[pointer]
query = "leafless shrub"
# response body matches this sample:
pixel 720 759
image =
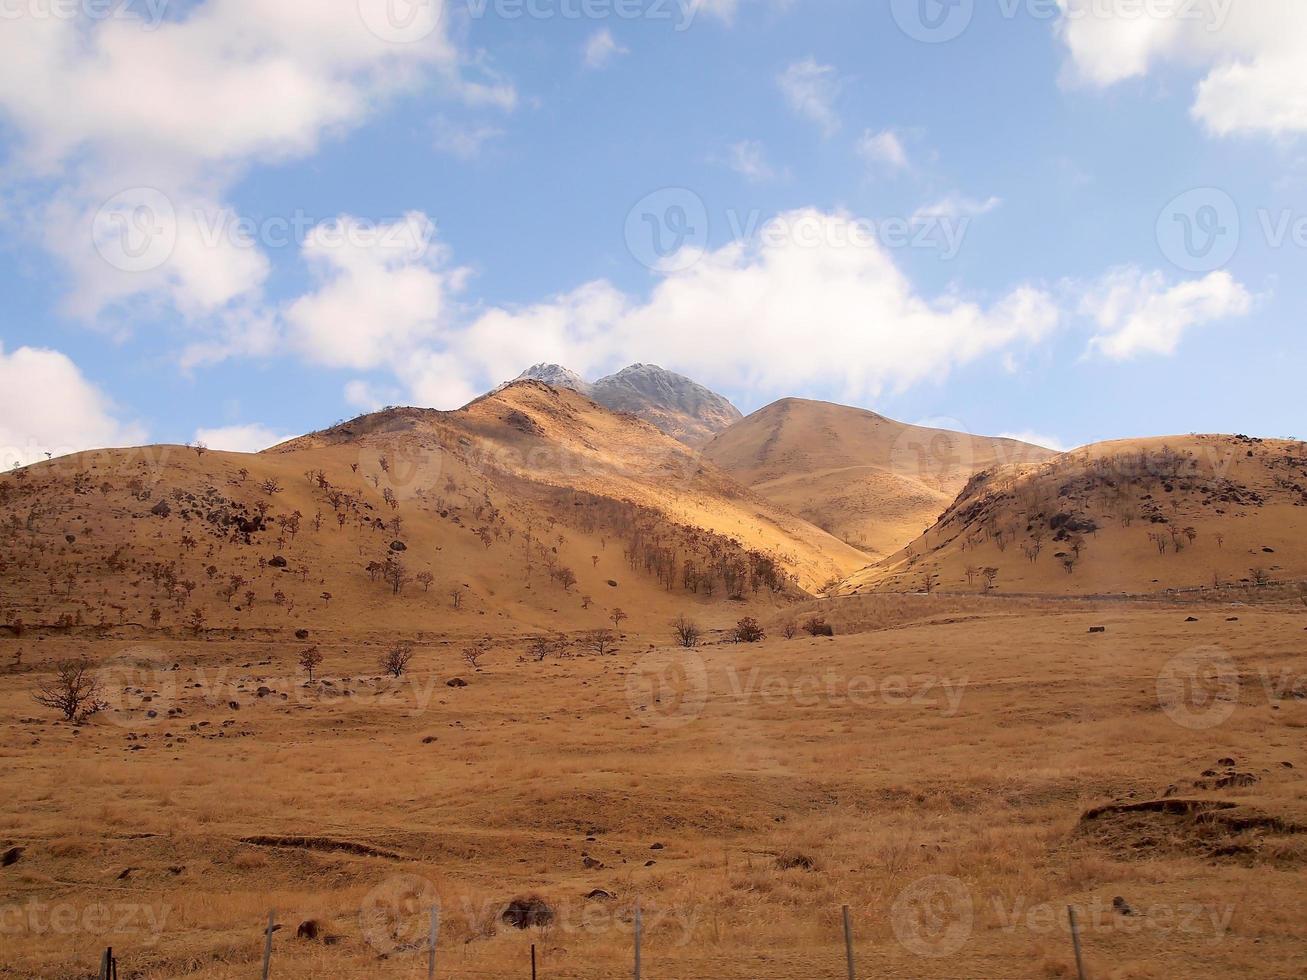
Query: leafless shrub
pixel 75 690
pixel 686 631
pixel 395 660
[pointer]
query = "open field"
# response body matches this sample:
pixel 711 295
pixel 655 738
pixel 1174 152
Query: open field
pixel 930 770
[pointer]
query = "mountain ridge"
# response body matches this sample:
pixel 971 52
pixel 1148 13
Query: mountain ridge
pixel 673 403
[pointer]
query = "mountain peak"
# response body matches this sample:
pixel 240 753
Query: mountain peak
pixel 556 375
pixel 678 406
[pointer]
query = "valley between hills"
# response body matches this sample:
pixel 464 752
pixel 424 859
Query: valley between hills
pixel 579 645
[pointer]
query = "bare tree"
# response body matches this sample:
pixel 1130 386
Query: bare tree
pixel 395 574
pixel 617 615
pixel 75 691
pixel 310 660
pixel 601 641
pixel 990 575
pixel 395 660
pixel 425 579
pixel 686 631
pixel 270 486
pixel 473 654
pixel 456 597
pixel 748 630
pixel 542 646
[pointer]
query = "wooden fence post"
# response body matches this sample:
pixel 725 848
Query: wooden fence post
pixel 1075 941
pixel 267 944
pixel 639 932
pixel 533 961
pixel 848 943
pixel 431 950
pixel 108 965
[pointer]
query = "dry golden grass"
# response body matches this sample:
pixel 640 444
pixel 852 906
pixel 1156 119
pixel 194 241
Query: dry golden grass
pixel 866 479
pixel 924 762
pixel 1138 516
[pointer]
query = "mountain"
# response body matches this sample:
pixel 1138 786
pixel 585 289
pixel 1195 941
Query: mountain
pixel 555 375
pixel 672 403
pixel 1135 516
pixel 539 508
pixel 866 479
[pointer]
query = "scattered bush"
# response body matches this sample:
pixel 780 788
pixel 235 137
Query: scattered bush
pixel 817 626
pixel 748 630
pixel 686 631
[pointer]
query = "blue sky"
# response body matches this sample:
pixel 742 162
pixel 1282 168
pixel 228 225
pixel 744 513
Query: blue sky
pixel 1079 219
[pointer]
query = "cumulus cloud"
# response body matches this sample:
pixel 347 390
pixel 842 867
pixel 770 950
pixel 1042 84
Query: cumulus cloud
pixel 1141 313
pixel 811 90
pixel 883 149
pixel 382 291
pixel 133 131
pixel 47 406
pixel 602 48
pixel 240 438
pixel 811 301
pixel 1252 54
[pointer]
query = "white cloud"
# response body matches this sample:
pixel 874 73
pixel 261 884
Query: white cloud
pixel 182 109
pixel 1140 313
pixel 48 406
pixel 240 438
pixel 364 396
pixel 1252 52
pixel 464 141
pixel 748 159
pixel 1037 439
pixel 802 305
pixel 382 292
pixel 602 48
pixel 883 149
pixel 957 206
pixel 811 90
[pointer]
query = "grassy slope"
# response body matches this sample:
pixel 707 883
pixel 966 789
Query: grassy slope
pixel 1243 499
pixel 869 480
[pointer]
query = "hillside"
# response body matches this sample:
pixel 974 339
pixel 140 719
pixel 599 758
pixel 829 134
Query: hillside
pixel 532 508
pixel 1132 516
pixel 671 402
pixel 866 479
